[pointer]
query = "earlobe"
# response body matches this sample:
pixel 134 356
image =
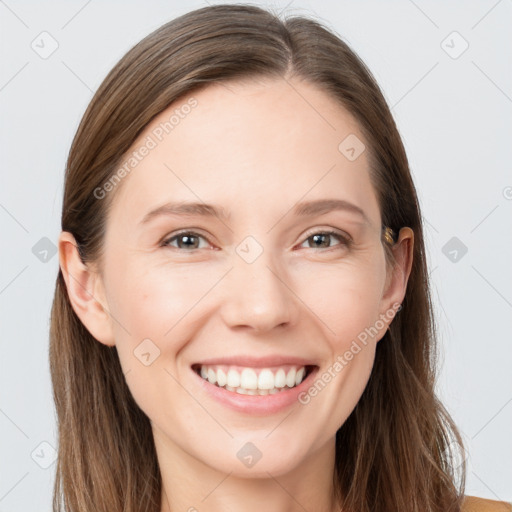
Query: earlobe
pixel 85 291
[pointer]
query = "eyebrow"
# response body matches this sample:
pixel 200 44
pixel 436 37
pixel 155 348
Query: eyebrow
pixel 187 210
pixel 321 206
pixel 306 209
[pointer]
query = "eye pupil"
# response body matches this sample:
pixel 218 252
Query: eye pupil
pixel 189 238
pixel 324 235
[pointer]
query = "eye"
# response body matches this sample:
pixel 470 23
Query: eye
pixel 185 239
pixel 322 238
pixel 191 240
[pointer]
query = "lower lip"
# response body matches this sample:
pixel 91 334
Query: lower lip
pixel 257 404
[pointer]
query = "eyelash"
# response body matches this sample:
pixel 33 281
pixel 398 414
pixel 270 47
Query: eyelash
pixel 345 241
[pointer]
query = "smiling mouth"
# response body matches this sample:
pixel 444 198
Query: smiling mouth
pixel 254 381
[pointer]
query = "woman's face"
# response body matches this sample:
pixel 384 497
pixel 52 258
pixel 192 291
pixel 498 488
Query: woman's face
pixel 262 280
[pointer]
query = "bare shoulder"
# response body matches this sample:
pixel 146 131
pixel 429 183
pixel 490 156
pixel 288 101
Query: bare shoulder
pixel 474 504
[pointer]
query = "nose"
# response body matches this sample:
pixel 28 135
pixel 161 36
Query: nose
pixel 257 295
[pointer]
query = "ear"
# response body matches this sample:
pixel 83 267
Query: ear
pixel 398 275
pixel 85 290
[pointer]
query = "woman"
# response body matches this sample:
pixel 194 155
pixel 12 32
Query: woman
pixel 242 317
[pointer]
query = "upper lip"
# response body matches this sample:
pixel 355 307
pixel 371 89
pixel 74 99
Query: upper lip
pixel 257 362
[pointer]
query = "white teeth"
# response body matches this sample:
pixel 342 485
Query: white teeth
pixel 290 378
pixel 249 382
pixel 233 379
pixel 280 379
pixel 221 378
pixel 300 376
pixel 248 379
pixel 265 380
pixel 212 376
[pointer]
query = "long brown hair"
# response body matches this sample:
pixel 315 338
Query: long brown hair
pixel 395 451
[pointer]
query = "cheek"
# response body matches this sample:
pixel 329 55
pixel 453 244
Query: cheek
pixel 154 301
pixel 154 311
pixel 347 305
pixel 345 298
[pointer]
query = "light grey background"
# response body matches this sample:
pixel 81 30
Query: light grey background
pixel 453 112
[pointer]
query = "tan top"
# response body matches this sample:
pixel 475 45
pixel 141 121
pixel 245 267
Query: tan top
pixel 474 504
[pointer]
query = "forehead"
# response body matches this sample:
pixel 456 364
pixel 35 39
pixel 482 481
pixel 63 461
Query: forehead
pixel 248 145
